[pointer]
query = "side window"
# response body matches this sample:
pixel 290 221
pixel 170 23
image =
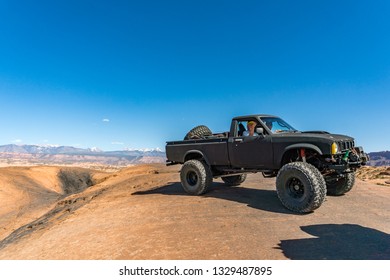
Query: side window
pixel 251 126
pixel 241 129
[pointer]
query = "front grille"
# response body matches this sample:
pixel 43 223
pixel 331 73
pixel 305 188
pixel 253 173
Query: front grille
pixel 346 145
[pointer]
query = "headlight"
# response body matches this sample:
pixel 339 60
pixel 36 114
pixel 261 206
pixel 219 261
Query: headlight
pixel 335 148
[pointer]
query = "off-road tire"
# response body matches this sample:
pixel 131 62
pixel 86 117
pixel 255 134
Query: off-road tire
pixel 340 186
pixel 195 177
pixel 234 180
pixel 198 132
pixel 300 187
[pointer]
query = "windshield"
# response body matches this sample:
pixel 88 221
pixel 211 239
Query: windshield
pixel 277 125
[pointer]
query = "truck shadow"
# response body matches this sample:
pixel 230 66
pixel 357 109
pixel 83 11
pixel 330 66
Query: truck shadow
pixel 266 200
pixel 338 242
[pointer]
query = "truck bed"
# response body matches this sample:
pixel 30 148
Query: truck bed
pixel 214 150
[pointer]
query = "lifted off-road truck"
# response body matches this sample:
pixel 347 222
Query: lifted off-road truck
pixel 307 165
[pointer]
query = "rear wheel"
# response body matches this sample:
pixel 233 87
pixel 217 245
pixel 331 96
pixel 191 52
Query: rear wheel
pixel 300 187
pixel 195 177
pixel 234 180
pixel 340 186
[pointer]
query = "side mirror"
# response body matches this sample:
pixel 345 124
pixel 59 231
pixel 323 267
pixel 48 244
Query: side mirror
pixel 259 130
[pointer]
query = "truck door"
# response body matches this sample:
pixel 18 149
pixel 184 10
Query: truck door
pixel 250 151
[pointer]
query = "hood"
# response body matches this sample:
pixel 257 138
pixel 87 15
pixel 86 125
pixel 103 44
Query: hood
pixel 321 139
pixel 327 135
pixel 322 136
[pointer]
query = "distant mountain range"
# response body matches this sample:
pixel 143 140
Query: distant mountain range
pixel 35 154
pixel 379 158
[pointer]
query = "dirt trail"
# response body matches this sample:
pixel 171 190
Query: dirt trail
pixel 142 213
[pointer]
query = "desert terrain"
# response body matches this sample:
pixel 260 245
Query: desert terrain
pixel 142 213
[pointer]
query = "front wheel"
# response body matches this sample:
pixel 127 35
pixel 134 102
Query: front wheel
pixel 340 186
pixel 195 177
pixel 300 187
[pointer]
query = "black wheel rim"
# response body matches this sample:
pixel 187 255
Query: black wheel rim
pixel 295 188
pixel 192 178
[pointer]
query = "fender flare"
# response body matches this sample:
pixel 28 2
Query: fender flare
pixel 196 152
pixel 299 146
pixel 303 145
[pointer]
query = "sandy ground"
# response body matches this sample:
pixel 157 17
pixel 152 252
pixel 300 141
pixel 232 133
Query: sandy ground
pixel 143 213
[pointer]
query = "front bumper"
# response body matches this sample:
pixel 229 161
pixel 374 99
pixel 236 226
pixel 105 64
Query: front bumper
pixel 349 160
pixel 356 156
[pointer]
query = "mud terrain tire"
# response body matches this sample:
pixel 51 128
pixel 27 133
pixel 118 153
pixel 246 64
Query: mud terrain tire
pixel 234 180
pixel 342 185
pixel 195 177
pixel 300 187
pixel 198 132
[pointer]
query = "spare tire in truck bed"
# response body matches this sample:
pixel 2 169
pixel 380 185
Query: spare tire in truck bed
pixel 198 132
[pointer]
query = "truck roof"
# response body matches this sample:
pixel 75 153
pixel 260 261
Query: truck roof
pixel 254 116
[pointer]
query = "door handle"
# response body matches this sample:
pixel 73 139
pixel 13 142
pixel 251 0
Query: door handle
pixel 238 140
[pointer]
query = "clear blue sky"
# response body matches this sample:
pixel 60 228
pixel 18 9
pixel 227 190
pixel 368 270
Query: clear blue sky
pixel 135 74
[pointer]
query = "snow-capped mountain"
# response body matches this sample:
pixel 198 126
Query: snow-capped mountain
pixel 56 149
pixel 67 154
pixel 95 149
pixel 38 149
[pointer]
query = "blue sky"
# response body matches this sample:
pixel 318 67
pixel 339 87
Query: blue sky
pixel 135 74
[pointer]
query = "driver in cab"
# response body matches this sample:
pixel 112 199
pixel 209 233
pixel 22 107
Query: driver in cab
pixel 251 125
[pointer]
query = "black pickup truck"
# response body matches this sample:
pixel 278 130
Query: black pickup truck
pixel 307 164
